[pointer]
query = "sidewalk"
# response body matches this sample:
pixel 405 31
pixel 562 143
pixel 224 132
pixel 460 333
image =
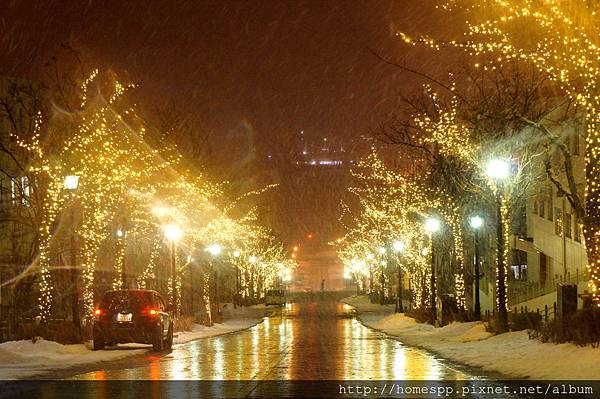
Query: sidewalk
pixel 25 359
pixel 512 354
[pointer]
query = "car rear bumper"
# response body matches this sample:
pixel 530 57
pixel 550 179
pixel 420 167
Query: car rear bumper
pixel 125 332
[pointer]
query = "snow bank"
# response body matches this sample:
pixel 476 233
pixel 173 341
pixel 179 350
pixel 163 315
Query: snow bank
pixel 512 354
pixel 25 359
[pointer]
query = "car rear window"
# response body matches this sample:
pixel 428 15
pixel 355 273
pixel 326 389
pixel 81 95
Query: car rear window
pixel 134 300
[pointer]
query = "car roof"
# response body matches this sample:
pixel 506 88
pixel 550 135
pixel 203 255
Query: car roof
pixel 131 291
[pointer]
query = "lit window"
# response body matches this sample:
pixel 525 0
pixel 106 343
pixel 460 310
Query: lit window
pixel 558 222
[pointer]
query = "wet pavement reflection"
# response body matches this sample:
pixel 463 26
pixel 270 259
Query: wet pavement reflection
pixel 303 341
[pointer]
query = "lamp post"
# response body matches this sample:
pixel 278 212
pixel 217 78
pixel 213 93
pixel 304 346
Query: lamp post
pixel 120 247
pixel 499 170
pixel 398 247
pixel 215 250
pixel 476 223
pixel 369 260
pixel 173 234
pixel 432 225
pixel 71 184
pixel 238 278
pixel 382 252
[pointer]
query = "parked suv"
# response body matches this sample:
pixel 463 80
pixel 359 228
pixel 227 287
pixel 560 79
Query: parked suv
pixel 133 316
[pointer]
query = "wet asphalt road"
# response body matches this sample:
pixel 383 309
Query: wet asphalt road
pixel 305 341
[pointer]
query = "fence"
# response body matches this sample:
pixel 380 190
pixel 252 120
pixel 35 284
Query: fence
pixel 545 314
pixel 523 291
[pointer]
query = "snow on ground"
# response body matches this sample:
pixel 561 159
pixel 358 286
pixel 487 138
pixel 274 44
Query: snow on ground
pixel 24 359
pixel 235 320
pixel 512 354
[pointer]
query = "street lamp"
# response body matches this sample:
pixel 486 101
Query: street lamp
pixel 71 184
pixel 432 225
pixel 499 170
pixel 370 257
pixel 398 247
pixel 476 222
pixel 215 250
pixel 173 234
pixel 120 253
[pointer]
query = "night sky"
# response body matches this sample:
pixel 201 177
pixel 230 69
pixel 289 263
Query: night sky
pixel 281 65
pixel 276 67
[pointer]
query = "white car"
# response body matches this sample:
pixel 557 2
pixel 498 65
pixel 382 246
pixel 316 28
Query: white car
pixel 275 297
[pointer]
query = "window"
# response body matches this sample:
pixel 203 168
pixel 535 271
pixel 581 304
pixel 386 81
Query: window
pixel 568 223
pixel 550 215
pixel 577 230
pixel 558 222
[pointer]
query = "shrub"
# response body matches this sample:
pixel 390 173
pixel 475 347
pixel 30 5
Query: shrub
pixel 524 321
pixel 183 323
pixel 63 332
pixel 421 315
pixel 581 328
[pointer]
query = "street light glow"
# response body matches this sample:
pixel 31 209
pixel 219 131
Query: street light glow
pixel 252 259
pixel 476 222
pixel 160 211
pixel 71 182
pixel 120 233
pixel 236 254
pixel 172 232
pixel 432 225
pixel 214 249
pixel 398 246
pixel 498 169
pixel 381 250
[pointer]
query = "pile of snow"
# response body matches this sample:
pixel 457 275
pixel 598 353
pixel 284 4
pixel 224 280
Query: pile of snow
pixel 512 354
pixel 24 359
pixel 21 359
pixel 364 303
pixel 236 319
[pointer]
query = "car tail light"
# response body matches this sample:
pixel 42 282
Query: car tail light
pixel 152 312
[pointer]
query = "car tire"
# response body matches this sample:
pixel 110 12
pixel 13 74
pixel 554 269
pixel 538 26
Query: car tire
pixel 99 342
pixel 157 340
pixel 169 341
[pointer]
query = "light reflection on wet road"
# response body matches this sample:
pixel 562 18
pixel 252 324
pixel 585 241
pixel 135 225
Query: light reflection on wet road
pixel 306 341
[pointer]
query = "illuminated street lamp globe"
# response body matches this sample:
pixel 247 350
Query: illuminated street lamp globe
pixel 476 222
pixel 252 259
pixel 381 250
pixel 71 182
pixel 432 225
pixel 398 246
pixel 214 249
pixel 172 232
pixel 236 254
pixel 497 169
